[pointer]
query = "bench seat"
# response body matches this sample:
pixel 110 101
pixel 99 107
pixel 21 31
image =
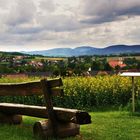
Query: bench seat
pixel 62 114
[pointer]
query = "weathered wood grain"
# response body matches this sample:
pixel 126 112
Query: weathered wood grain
pixel 62 114
pixel 10 119
pixel 43 129
pixel 30 88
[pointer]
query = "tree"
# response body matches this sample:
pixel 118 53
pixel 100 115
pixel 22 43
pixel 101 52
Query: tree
pixel 97 65
pixel 107 67
pixel 117 67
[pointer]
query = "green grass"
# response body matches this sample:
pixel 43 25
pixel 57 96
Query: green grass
pixel 4 63
pixel 112 125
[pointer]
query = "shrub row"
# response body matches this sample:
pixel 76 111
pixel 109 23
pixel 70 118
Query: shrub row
pixel 85 92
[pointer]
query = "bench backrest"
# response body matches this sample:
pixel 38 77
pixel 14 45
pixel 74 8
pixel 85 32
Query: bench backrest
pixel 31 88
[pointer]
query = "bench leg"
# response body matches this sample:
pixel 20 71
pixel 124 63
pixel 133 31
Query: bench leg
pixel 10 119
pixel 43 129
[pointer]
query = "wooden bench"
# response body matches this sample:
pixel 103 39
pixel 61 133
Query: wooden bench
pixel 61 122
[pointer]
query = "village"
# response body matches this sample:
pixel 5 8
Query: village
pixel 28 65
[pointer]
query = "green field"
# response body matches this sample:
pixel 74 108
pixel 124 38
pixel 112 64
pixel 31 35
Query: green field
pixel 105 126
pixel 49 58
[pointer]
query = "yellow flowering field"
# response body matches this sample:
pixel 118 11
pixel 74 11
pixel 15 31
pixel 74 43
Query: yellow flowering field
pixel 85 92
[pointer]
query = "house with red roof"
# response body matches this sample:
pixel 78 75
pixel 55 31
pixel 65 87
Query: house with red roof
pixel 114 63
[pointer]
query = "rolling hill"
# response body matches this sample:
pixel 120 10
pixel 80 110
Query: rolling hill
pixel 88 50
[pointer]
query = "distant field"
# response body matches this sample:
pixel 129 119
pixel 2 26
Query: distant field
pixel 63 59
pixel 44 58
pixel 114 58
pixel 47 58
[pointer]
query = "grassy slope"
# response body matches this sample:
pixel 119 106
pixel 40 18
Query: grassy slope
pixel 105 125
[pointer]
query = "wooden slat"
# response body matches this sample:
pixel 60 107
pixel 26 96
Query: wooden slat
pixel 21 89
pixel 57 91
pixel 30 88
pixel 54 83
pixel 62 114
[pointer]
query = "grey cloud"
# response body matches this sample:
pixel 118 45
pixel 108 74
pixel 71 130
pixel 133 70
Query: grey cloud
pixel 23 11
pixel 4 4
pixel 47 5
pixel 23 24
pixel 59 23
pixel 25 30
pixel 130 11
pixel 98 20
pixel 97 12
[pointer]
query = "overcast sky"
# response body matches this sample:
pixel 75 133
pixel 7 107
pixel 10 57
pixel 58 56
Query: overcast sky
pixel 45 24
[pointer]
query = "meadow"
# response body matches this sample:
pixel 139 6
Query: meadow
pixel 109 125
pixel 107 98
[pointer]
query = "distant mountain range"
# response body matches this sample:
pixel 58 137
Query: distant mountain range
pixel 88 50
